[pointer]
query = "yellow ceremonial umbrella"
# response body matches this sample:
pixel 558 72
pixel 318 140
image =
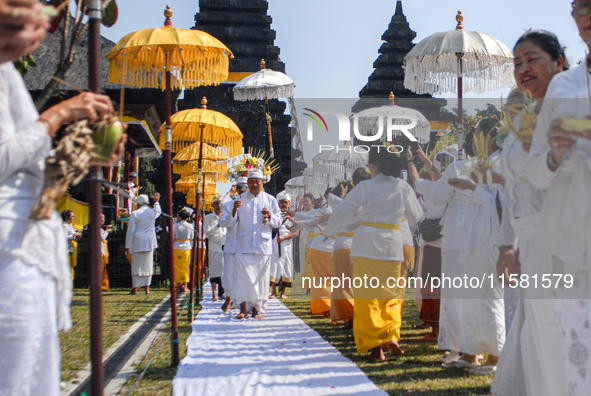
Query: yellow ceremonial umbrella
pixel 192 168
pixel 149 58
pixel 186 161
pixel 204 125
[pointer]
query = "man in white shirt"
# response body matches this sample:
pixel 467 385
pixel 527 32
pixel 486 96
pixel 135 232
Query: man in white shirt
pixel 282 257
pixel 227 204
pixel 216 237
pixel 141 241
pixel 255 213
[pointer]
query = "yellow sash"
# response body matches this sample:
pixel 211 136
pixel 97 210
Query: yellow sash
pixel 348 234
pixel 385 226
pixel 182 240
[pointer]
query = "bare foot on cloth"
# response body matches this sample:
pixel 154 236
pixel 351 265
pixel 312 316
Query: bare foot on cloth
pixel 240 316
pixel 226 305
pixel 283 296
pixel 256 314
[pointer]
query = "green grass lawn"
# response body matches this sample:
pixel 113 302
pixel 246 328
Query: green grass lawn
pixel 417 372
pixel 157 380
pixel 120 311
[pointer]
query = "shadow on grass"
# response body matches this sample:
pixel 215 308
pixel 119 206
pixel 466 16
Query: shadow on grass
pixel 417 372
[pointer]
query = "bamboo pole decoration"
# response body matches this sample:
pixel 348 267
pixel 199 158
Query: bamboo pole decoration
pixel 459 20
pixel 197 256
pixel 95 203
pixel 174 337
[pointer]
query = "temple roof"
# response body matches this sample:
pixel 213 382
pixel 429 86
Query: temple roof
pixel 245 28
pixel 388 75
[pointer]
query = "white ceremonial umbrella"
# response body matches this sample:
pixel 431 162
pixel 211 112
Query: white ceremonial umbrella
pixel 331 166
pixel 315 183
pixel 264 85
pixel 372 120
pixel 295 186
pixel 458 60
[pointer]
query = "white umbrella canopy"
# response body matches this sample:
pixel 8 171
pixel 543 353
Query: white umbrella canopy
pixel 433 65
pixel 470 61
pixel 332 166
pixel 315 183
pixel 264 84
pixel 370 120
pixel 295 186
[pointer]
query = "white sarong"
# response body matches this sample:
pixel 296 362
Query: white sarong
pixel 216 264
pixel 228 273
pixel 251 280
pixel 142 268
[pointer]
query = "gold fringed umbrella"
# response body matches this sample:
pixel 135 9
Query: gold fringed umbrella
pixel 186 161
pixel 192 168
pixel 162 58
pixel 196 125
pixel 194 57
pixel 191 153
pixel 203 126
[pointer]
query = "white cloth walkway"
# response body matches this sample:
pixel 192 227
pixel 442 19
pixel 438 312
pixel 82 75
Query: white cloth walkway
pixel 279 355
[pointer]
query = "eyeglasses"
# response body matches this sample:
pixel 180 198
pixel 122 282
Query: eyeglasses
pixel 582 8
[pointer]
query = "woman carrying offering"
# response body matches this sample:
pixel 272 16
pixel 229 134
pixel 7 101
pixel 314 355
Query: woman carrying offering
pixel 559 162
pixel 531 362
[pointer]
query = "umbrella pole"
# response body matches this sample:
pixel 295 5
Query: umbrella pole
pixel 268 116
pixel 95 203
pixel 167 162
pixel 460 114
pixel 196 237
pixel 202 258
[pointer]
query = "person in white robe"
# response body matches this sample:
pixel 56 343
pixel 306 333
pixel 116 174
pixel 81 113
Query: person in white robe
pixel 559 162
pixel 216 237
pixel 456 202
pixel 305 213
pixel 282 256
pixel 483 316
pixel 229 247
pixel 531 362
pixel 141 241
pixel 255 213
pixel 35 283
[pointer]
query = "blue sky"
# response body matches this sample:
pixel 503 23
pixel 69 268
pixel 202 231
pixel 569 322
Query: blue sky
pixel 329 46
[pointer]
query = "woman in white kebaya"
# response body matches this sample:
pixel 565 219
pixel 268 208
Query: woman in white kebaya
pixel 560 163
pixel 531 362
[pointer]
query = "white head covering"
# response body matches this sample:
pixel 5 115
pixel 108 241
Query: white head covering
pixel 450 151
pixel 132 174
pixel 216 198
pixel 255 174
pixel 283 195
pixel 242 180
pixel 142 200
